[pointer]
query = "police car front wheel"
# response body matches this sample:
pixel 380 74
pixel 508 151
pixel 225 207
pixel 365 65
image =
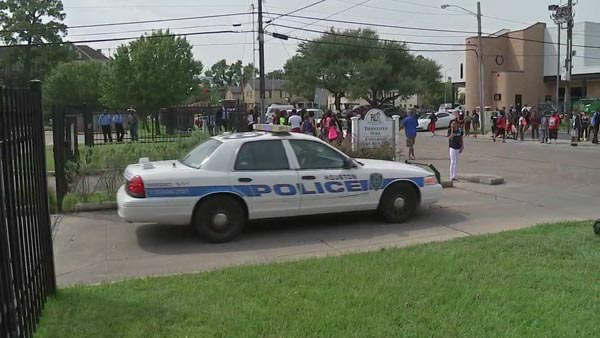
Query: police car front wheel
pixel 219 219
pixel 398 203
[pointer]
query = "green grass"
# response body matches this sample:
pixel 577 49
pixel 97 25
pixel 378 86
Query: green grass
pixel 541 281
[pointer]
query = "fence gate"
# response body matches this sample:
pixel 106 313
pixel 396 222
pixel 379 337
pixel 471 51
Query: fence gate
pixel 26 259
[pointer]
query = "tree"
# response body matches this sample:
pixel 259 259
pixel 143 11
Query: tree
pixel 150 73
pixel 357 63
pixel 249 72
pixel 32 22
pixel 74 83
pixel 278 74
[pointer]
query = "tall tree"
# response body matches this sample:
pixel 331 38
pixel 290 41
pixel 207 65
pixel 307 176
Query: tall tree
pixel 150 73
pixel 248 72
pixel 31 22
pixel 358 64
pixel 74 84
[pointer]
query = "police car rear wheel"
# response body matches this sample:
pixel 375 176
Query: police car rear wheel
pixel 398 203
pixel 219 219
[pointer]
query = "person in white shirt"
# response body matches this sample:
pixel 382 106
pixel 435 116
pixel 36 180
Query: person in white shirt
pixel 250 119
pixel 295 121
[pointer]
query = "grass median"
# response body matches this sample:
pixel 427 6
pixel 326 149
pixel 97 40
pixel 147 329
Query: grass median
pixel 539 281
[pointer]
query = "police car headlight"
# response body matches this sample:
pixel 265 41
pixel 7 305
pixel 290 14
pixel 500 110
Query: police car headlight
pixel 431 180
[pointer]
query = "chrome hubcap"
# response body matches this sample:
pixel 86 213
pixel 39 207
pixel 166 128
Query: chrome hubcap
pixel 399 203
pixel 220 220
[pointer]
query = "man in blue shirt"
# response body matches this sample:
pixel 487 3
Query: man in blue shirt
pixel 117 119
pixel 410 129
pixel 104 120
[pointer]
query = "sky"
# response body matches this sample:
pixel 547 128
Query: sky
pixel 497 15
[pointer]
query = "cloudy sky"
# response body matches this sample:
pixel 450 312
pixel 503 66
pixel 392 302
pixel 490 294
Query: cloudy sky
pixel 498 14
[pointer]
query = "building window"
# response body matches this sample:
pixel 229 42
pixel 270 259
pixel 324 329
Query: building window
pixel 548 98
pixel 497 97
pixel 461 71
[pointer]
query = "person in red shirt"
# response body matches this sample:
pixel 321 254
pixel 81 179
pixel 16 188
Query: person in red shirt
pixel 553 125
pixel 501 127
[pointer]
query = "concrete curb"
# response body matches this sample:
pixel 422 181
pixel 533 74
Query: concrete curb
pixel 482 179
pixel 79 207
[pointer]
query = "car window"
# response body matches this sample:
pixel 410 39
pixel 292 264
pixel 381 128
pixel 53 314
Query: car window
pixel 262 155
pixel 442 114
pixel 316 155
pixel 198 155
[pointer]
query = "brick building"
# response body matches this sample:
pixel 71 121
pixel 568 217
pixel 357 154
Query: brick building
pixel 519 69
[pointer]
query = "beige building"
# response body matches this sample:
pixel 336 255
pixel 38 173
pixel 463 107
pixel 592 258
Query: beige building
pixel 275 93
pixel 519 69
pixel 413 101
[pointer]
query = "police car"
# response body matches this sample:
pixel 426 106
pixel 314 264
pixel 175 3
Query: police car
pixel 268 173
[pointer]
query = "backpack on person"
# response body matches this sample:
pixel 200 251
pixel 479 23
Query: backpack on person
pixel 595 118
pixel 307 127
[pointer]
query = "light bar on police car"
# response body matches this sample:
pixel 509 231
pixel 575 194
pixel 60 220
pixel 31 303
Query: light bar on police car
pixel 273 128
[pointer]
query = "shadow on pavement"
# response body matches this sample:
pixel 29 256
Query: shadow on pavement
pixel 296 231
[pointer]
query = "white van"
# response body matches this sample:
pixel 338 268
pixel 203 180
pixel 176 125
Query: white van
pixel 269 114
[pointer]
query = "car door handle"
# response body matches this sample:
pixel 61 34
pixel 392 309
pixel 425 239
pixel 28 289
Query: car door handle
pixel 308 177
pixel 245 179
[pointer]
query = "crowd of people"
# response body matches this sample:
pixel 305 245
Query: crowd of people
pixel 330 127
pixel 119 123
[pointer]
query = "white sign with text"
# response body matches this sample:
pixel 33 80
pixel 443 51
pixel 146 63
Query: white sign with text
pixel 375 129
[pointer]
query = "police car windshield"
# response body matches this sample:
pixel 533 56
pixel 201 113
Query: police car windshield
pixel 198 155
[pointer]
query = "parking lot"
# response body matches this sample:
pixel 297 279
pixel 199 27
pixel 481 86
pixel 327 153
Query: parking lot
pixel 543 183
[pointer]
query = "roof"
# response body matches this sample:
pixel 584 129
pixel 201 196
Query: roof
pixel 85 52
pixel 270 84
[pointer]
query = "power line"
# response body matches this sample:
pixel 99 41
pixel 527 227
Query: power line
pixel 399 10
pixel 375 39
pixel 435 30
pixel 147 30
pixel 124 38
pixel 148 21
pixel 299 9
pixel 375 47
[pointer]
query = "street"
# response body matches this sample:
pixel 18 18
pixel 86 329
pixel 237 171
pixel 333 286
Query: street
pixel 543 183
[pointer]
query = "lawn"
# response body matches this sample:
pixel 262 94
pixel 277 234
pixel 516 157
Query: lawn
pixel 541 281
pixel 49 158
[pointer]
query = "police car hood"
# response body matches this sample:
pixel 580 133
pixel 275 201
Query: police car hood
pixel 403 168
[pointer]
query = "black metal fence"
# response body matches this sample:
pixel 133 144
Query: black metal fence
pixel 26 258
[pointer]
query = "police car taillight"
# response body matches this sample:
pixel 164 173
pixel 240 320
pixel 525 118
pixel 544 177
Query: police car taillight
pixel 135 187
pixel 430 180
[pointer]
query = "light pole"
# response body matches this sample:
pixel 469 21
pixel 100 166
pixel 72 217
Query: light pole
pixel 480 58
pixel 560 16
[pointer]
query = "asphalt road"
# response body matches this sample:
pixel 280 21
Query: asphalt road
pixel 543 183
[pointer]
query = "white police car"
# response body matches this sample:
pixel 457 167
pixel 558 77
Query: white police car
pixel 270 173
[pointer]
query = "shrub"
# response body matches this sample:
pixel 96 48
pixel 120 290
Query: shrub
pixel 384 152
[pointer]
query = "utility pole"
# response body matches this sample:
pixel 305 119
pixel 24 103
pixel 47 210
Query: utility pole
pixel 569 58
pixel 261 60
pixel 481 74
pixel 558 70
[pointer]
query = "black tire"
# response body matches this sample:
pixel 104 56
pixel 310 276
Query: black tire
pixel 597 227
pixel 387 205
pixel 204 221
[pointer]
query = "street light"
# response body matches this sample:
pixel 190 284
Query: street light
pixel 480 57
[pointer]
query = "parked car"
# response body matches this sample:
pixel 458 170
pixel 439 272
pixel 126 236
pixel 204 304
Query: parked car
pixel 230 179
pixel 443 120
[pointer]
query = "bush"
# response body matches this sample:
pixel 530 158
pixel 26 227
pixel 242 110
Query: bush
pixel 72 199
pixel 384 152
pixel 52 201
pixel 118 156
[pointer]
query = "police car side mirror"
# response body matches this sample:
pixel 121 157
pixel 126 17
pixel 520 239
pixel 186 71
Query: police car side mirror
pixel 349 163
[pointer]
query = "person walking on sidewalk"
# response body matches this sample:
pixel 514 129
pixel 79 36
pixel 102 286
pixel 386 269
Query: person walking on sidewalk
pixel 553 125
pixel 456 147
pixel 467 123
pixel 596 125
pixel 410 129
pixel 535 124
pixel 475 123
pixel 544 129
pixel 432 120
